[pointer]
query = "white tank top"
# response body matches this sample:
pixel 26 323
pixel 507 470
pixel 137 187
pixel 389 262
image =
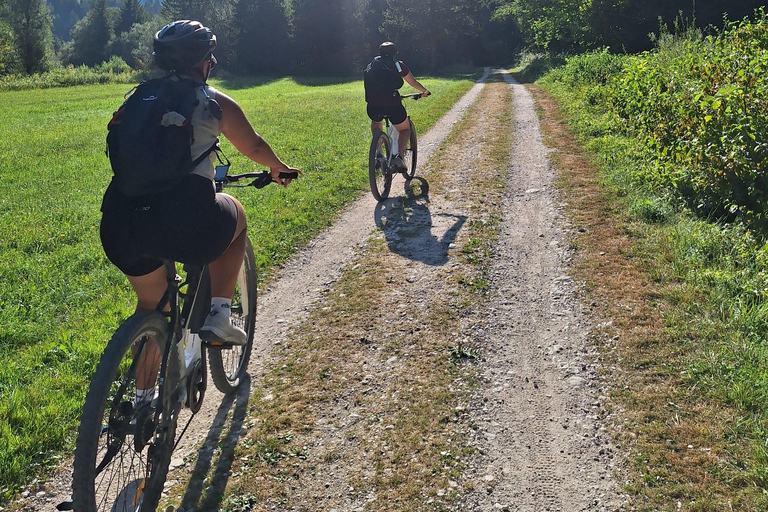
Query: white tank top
pixel 206 129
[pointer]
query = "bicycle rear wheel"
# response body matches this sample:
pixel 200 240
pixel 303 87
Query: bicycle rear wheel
pixel 409 155
pixel 228 365
pixel 378 172
pixel 120 463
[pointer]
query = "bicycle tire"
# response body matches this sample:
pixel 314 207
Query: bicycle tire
pixel 228 365
pixel 109 472
pixel 378 174
pixel 410 153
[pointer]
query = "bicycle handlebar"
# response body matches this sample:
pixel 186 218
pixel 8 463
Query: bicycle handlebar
pixel 261 179
pixel 415 95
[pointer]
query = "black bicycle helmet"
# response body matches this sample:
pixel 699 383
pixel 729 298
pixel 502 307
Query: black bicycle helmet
pixel 388 49
pixel 182 45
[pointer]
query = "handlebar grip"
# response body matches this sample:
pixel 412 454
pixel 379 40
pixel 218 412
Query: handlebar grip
pixel 265 178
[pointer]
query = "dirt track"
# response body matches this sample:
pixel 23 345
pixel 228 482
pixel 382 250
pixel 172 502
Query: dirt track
pixel 533 422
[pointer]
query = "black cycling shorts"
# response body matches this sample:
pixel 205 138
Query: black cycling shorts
pixel 395 113
pixel 190 224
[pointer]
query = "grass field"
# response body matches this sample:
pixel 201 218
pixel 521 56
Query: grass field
pixel 60 299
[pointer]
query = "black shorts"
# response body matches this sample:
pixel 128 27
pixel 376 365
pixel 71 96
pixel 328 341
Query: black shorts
pixel 190 224
pixel 395 113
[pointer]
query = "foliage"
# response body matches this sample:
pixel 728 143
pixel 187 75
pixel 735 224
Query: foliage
pixel 92 34
pixel 69 76
pixel 31 23
pixel 261 36
pixel 703 109
pixel 10 62
pixel 679 134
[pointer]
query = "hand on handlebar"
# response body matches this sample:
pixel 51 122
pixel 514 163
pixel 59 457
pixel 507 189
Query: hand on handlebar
pixel 284 175
pixel 425 93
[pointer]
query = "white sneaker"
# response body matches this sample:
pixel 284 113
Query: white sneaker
pixel 397 161
pixel 219 329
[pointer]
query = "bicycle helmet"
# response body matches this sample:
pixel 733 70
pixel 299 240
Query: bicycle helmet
pixel 182 45
pixel 388 49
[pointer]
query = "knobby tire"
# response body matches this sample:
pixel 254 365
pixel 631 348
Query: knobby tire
pixel 120 461
pixel 378 175
pixel 228 366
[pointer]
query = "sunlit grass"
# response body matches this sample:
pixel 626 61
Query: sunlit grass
pixel 60 299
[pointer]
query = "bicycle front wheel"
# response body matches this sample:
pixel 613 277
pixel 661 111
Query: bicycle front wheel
pixel 118 464
pixel 378 171
pixel 409 155
pixel 228 365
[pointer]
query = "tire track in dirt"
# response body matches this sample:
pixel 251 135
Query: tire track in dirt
pixel 537 430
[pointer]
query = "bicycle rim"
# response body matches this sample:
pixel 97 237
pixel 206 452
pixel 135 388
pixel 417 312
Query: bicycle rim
pixel 228 365
pixel 378 173
pixel 409 155
pixel 113 460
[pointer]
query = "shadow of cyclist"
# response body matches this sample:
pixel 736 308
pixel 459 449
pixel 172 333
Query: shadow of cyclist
pixel 410 228
pixel 194 499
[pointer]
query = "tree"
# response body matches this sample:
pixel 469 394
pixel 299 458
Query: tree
pixel 320 37
pixel 260 34
pixel 135 45
pixel 10 62
pixel 431 33
pixel 131 12
pixel 92 34
pixel 31 23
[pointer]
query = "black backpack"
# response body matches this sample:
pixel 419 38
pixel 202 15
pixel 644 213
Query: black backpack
pixel 381 80
pixel 150 135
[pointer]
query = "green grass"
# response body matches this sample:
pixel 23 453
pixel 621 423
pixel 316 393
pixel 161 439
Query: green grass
pixel 60 298
pixel 708 354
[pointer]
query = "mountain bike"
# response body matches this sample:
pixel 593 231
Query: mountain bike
pixel 383 148
pixel 124 445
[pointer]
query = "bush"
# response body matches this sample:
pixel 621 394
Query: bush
pixel 702 106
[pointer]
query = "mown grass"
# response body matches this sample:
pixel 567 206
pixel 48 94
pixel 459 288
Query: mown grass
pixel 60 299
pixel 687 351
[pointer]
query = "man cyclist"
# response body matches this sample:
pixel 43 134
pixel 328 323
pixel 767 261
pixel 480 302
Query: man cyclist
pixel 383 97
pixel 191 223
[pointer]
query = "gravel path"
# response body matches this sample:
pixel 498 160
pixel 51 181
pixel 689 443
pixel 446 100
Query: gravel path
pixel 535 417
pixel 542 446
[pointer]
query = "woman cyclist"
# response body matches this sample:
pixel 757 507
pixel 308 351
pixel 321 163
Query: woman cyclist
pixel 190 223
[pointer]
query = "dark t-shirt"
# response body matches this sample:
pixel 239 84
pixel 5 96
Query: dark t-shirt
pixel 392 101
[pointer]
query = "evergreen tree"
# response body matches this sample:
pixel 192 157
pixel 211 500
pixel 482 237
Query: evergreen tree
pixel 92 34
pixel 31 23
pixel 10 62
pixel 131 12
pixel 260 37
pixel 320 38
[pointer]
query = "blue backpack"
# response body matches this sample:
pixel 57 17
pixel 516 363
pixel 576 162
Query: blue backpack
pixel 150 136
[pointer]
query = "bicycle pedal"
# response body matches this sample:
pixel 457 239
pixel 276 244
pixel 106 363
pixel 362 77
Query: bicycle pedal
pixel 219 344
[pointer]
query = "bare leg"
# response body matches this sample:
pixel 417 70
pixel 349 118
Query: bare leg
pixel 376 125
pixel 225 268
pixel 403 135
pixel 149 290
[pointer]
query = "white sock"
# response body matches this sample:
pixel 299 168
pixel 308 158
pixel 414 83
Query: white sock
pixel 144 395
pixel 221 306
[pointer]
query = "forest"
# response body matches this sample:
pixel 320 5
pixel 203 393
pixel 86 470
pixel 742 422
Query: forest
pixel 338 37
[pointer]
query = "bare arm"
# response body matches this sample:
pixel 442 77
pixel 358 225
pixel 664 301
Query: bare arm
pixel 238 130
pixel 415 84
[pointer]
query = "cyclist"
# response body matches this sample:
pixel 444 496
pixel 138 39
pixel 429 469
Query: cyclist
pixel 190 223
pixel 383 98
